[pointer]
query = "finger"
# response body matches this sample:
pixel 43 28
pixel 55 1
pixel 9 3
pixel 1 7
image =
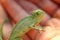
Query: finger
pixel 15 11
pixel 25 37
pixel 45 18
pixel 57 14
pixel 2 14
pixel 57 1
pixel 56 22
pixel 28 6
pixel 32 34
pixel 46 5
pixel 31 7
pixel 53 23
pixel 6 30
pixel 51 30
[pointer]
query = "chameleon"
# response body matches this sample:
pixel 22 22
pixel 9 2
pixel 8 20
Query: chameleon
pixel 1 27
pixel 26 24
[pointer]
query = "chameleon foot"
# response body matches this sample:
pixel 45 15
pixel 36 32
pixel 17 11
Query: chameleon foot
pixel 38 28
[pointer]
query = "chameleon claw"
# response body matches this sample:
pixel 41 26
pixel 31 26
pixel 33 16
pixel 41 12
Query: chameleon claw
pixel 39 28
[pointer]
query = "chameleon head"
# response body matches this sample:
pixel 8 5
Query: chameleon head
pixel 38 14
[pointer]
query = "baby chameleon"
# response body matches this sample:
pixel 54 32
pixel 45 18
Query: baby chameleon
pixel 26 24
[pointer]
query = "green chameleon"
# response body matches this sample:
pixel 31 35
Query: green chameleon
pixel 26 24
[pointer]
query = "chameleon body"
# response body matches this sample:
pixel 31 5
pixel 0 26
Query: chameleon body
pixel 26 24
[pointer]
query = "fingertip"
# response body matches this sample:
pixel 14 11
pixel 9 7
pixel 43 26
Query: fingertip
pixel 28 6
pixel 57 14
pixel 53 22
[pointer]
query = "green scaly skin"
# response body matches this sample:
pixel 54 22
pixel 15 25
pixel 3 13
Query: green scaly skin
pixel 26 24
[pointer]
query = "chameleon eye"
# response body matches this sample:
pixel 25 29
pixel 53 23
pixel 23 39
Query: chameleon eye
pixel 37 13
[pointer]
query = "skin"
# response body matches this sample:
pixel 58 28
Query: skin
pixel 26 24
pixel 2 20
pixel 51 30
pixel 1 27
pixel 31 33
pixel 46 5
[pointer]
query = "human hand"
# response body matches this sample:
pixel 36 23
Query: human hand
pixel 18 10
